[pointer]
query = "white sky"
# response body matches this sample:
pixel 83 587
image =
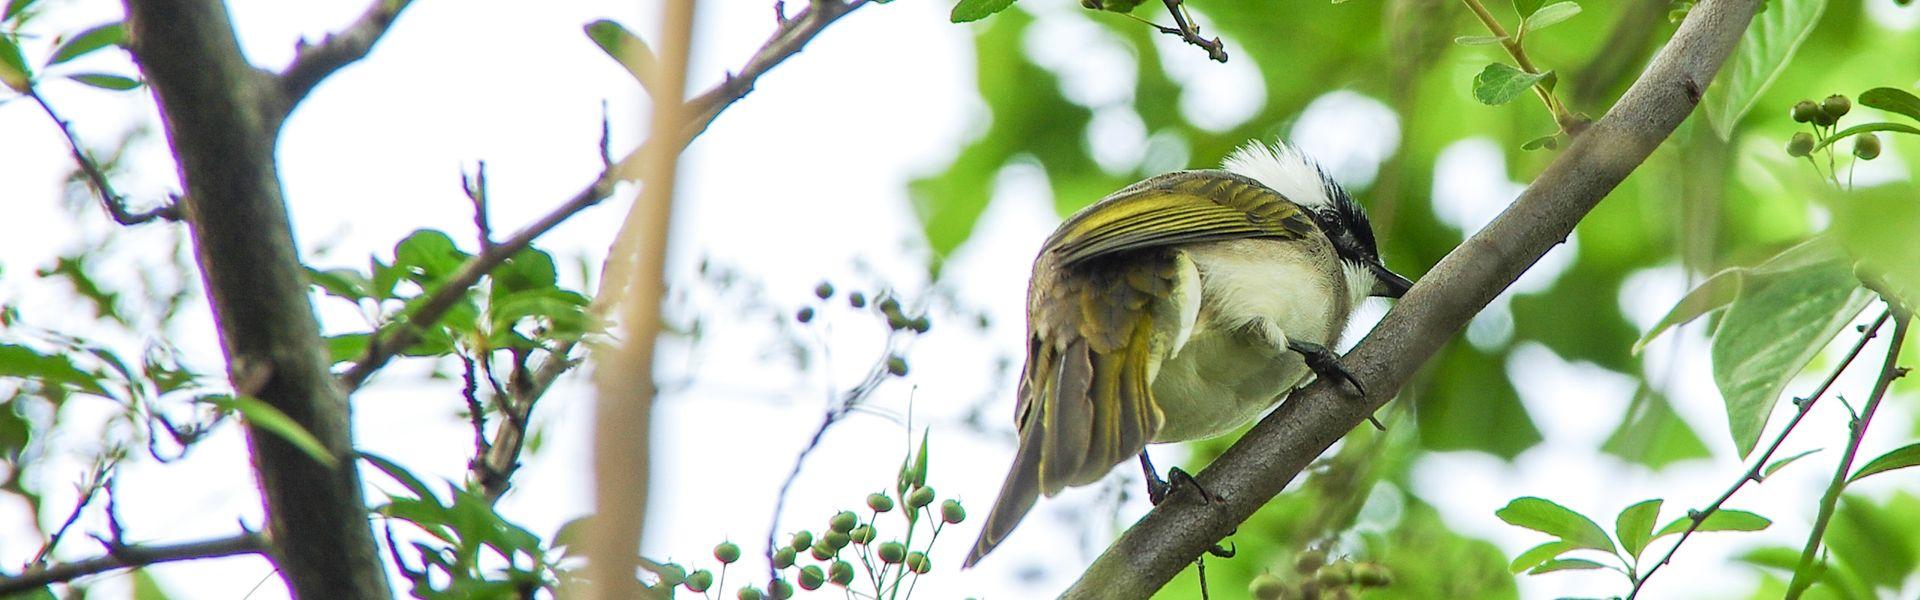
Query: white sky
pixel 793 184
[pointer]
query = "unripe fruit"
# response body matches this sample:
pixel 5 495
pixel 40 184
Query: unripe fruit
pixel 840 573
pixel 920 497
pixel 804 316
pixel 951 512
pixel 862 534
pixel 749 593
pixel 811 577
pixel 726 553
pixel 699 581
pixel 921 324
pixel 1866 146
pixel 857 300
pixel 897 366
pixel 801 539
pixel 1836 106
pixel 821 551
pixel 1308 561
pixel 918 563
pixel 1334 575
pixel 779 589
pixel 892 552
pixel 879 502
pixel 1800 145
pixel 1372 575
pixel 837 540
pixel 844 521
pixel 1267 587
pixel 1804 111
pixel 783 557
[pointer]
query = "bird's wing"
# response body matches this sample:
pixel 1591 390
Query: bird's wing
pixel 1178 208
pixel 1097 328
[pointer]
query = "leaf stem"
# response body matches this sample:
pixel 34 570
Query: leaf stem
pixel 1889 371
pixel 1512 43
pixel 1754 473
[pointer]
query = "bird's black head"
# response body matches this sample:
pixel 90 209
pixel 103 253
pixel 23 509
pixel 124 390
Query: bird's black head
pixel 1345 223
pixel 1301 180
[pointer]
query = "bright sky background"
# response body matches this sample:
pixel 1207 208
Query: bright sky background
pixel 803 180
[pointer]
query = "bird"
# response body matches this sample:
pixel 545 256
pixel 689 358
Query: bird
pixel 1181 308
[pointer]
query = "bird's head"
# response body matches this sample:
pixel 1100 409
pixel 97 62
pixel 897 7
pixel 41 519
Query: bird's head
pixel 1344 222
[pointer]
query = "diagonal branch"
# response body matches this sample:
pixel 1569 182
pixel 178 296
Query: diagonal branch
pixel 133 556
pixel 791 36
pixel 116 204
pixel 1257 467
pixel 312 64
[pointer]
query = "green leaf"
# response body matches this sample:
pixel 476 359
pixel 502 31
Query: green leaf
pixel 1526 8
pixel 53 370
pixel 1546 141
pixel 13 66
pixel 1864 128
pixel 1500 83
pixel 146 588
pixel 15 8
pixel 263 416
pixel 1779 464
pixel 1652 434
pixel 528 269
pixel 1713 294
pixel 1565 564
pixel 1720 520
pixel 974 10
pixel 1898 458
pixel 1542 515
pixel 1478 40
pixel 1892 100
pixel 625 48
pixel 402 475
pixel 347 284
pixel 1635 525
pixel 1764 52
pixel 428 256
pixel 100 36
pixel 347 346
pixel 1778 323
pixel 1536 555
pixel 1551 14
pixel 106 81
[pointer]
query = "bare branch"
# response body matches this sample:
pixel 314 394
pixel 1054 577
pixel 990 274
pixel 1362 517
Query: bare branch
pixel 115 203
pixel 702 110
pixel 1256 468
pixel 1185 29
pixel 312 64
pixel 124 557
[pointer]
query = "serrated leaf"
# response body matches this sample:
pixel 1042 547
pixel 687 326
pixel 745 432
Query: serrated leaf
pixel 1720 520
pixel 1565 564
pixel 974 10
pixel 1478 40
pixel 1500 83
pixel 106 81
pixel 13 66
pixel 1898 458
pixel 1775 326
pixel 625 48
pixel 1769 44
pixel 1865 128
pixel 1551 14
pixel 1545 516
pixel 1892 100
pixel 1635 525
pixel 1779 464
pixel 95 38
pixel 263 416
pixel 1536 555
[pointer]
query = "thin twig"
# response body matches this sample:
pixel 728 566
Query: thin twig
pixel 88 489
pixel 1754 473
pixel 475 186
pixel 115 203
pixel 703 109
pixel 1188 31
pixel 1512 44
pixel 134 556
pixel 1857 430
pixel 313 63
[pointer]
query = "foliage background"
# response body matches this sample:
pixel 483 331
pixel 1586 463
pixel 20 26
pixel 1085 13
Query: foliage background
pixel 904 152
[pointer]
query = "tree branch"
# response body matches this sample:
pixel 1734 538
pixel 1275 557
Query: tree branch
pixel 1273 453
pixel 115 203
pixel 312 64
pixel 223 137
pixel 133 556
pixel 792 35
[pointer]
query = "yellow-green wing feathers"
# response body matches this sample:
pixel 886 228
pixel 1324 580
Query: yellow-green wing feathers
pixel 1178 208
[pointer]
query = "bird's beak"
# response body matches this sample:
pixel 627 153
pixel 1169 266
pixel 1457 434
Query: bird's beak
pixel 1387 284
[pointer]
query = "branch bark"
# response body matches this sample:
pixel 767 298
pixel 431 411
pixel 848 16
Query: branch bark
pixel 133 556
pixel 312 64
pixel 222 117
pixel 1256 468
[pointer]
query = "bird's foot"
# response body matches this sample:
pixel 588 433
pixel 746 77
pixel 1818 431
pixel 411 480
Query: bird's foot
pixel 1158 489
pixel 1325 363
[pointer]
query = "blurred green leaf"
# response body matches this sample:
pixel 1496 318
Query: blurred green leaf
pixel 1875 541
pixel 1892 100
pixel 1720 520
pixel 346 347
pixel 106 81
pixel 1478 40
pixel 1876 226
pixel 625 48
pixel 1775 326
pixel 1565 564
pixel 1552 14
pixel 1546 141
pixel 1474 407
pixel 1713 294
pixel 974 10
pixel 428 256
pixel 1545 516
pixel 1536 555
pixel 13 66
pixel 1765 50
pixel 22 362
pixel 265 417
pixel 400 474
pixel 1500 83
pixel 1864 128
pixel 1651 434
pixel 1898 458
pixel 1526 8
pixel 15 8
pixel 1635 525
pixel 1782 463
pixel 146 588
pixel 94 38
pixel 346 284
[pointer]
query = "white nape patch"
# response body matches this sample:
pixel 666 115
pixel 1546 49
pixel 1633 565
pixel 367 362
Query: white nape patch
pixel 1284 169
pixel 1359 284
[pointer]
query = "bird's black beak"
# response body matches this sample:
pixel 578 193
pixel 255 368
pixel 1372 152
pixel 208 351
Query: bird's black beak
pixel 1388 284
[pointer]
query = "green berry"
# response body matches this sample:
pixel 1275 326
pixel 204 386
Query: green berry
pixel 801 540
pixel 1805 111
pixel 821 551
pixel 699 581
pixel 920 324
pixel 862 534
pixel 890 307
pixel 898 321
pixel 1267 587
pixel 1372 575
pixel 837 540
pixel 892 552
pixel 918 562
pixel 952 512
pixel 920 497
pixel 1800 145
pixel 1334 575
pixel 897 366
pixel 726 553
pixel 672 574
pixel 804 316
pixel 779 589
pixel 811 577
pixel 1836 106
pixel 857 300
pixel 844 521
pixel 824 290
pixel 783 557
pixel 840 573
pixel 750 593
pixel 879 502
pixel 1308 561
pixel 1866 146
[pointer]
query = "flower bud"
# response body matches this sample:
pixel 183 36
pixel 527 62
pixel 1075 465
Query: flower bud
pixel 951 512
pixel 1800 145
pixel 879 502
pixel 897 366
pixel 1334 575
pixel 920 324
pixel 726 553
pixel 1866 146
